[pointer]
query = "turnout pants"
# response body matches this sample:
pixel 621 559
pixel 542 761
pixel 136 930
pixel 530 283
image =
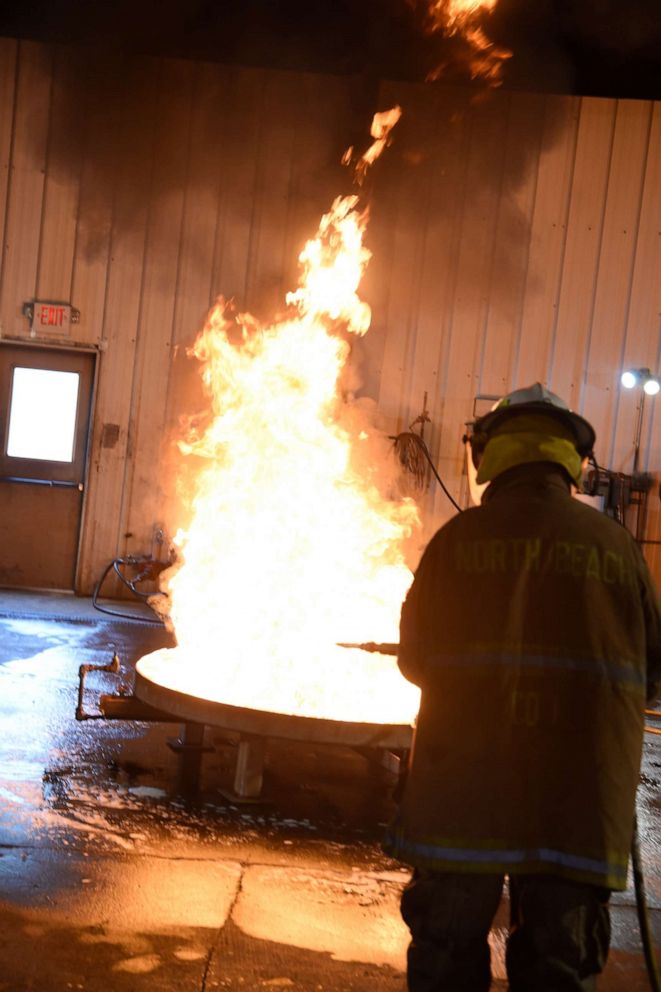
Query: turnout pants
pixel 558 940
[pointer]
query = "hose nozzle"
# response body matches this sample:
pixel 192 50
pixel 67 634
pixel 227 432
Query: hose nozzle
pixel 372 646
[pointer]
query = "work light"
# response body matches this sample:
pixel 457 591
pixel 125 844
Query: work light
pixel 641 377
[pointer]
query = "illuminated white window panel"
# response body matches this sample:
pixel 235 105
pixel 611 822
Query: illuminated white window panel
pixel 42 416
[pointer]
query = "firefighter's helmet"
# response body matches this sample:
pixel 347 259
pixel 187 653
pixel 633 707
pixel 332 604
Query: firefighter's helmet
pixel 533 399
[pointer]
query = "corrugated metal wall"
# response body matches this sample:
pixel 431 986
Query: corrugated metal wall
pixel 514 238
pixel 519 239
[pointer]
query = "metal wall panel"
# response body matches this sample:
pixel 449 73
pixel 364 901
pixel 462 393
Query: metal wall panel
pixel 142 489
pixel 111 456
pixel 606 330
pixel 25 188
pixel 580 265
pixel 514 238
pixel 550 275
pixel 59 219
pixel 8 63
pixel 548 236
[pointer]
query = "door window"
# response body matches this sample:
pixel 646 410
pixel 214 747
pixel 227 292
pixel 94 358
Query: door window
pixel 42 414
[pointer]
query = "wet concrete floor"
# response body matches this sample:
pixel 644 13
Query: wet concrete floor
pixel 109 879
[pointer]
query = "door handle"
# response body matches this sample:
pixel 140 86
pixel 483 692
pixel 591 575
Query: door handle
pixel 53 483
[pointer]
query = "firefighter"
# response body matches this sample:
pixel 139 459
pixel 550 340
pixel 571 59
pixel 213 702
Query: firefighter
pixel 534 631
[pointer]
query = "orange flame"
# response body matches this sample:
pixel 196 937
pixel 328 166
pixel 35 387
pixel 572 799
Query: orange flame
pixel 333 264
pixel 461 17
pixel 459 14
pixel 382 125
pixel 292 546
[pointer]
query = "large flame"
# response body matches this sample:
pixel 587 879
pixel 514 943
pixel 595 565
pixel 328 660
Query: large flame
pixel 292 546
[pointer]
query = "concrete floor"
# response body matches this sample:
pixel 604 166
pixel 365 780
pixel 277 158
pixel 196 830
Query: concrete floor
pixel 110 880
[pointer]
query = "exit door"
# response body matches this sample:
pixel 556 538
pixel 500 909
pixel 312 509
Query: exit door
pixel 45 405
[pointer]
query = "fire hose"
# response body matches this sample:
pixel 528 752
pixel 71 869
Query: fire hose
pixel 639 888
pixel 146 568
pixel 636 861
pixel 642 911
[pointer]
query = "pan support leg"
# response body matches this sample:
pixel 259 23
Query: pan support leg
pixel 249 768
pixel 189 747
pixel 250 754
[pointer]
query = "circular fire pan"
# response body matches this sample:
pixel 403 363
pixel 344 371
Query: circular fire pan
pixel 263 723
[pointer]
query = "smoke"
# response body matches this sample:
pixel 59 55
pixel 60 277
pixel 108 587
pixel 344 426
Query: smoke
pixel 114 101
pixel 585 47
pixel 108 110
pixel 581 47
pixel 595 47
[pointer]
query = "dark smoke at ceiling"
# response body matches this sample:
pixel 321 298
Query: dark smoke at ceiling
pixel 588 47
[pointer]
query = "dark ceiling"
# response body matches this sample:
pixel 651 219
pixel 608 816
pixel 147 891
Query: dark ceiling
pixel 589 47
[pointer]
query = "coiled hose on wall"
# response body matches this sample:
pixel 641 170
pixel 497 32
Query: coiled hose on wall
pixel 146 568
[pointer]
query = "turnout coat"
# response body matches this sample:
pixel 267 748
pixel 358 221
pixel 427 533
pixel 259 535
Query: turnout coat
pixel 534 630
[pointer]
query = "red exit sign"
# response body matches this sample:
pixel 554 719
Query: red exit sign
pixel 49 316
